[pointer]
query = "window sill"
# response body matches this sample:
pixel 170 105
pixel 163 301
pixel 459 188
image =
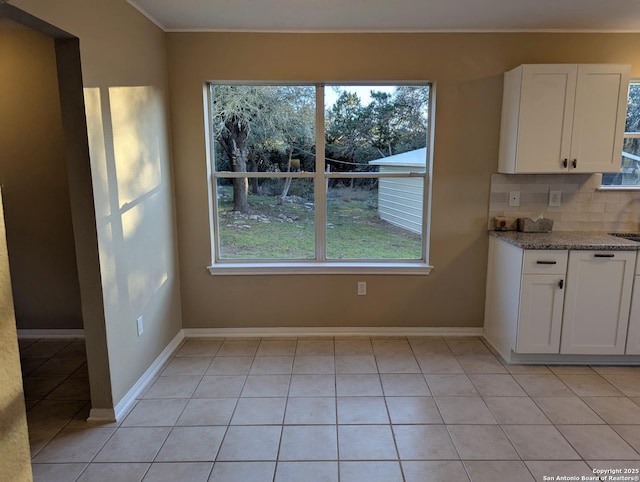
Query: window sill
pixel 619 188
pixel 302 268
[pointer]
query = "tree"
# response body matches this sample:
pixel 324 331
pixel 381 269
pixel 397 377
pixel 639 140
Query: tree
pixel 345 130
pixel 235 108
pixel 632 124
pixel 412 111
pixel 390 124
pixel 258 127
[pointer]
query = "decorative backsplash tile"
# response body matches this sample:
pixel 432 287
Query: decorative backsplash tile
pixel 584 207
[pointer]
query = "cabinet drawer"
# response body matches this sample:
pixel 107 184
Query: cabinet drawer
pixel 545 261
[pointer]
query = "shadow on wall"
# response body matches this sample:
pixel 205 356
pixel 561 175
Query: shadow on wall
pixel 128 176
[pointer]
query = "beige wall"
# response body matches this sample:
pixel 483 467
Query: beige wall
pixel 124 77
pixel 15 457
pixel 467 70
pixel 33 174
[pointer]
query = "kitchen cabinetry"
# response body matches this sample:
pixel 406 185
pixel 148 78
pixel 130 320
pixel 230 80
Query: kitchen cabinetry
pixel 558 302
pixel 525 293
pixel 540 317
pixel 633 334
pixel 597 302
pixel 559 118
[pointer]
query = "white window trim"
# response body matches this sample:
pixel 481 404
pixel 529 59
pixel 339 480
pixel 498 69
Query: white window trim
pixel 320 265
pixel 625 135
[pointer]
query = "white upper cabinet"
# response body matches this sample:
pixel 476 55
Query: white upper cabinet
pixel 561 118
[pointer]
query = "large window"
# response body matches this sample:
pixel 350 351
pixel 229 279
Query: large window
pixel 320 177
pixel 629 174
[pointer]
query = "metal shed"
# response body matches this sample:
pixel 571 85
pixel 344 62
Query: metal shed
pixel 400 200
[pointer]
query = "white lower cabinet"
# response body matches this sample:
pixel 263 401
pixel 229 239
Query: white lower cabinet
pixel 525 293
pixel 597 302
pixel 633 334
pixel 560 302
pixel 540 316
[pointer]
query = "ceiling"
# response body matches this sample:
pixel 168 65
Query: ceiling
pixel 393 15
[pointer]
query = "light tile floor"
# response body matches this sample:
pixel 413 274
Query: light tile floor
pixel 329 409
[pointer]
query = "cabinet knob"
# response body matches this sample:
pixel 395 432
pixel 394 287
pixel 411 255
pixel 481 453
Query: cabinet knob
pixel 565 162
pixel 574 163
pixel 604 255
pixel 546 262
pixel 561 284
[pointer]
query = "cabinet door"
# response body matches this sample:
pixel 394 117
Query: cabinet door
pixel 540 317
pixel 633 336
pixel 545 117
pixel 597 302
pixel 598 122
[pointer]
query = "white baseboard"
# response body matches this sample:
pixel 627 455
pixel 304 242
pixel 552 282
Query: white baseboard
pixel 329 331
pixel 102 415
pixel 52 334
pixel 123 406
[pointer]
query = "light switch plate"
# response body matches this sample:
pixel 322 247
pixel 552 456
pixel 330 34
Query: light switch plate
pixel 555 198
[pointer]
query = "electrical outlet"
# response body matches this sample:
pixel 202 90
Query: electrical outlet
pixel 362 288
pixel 514 198
pixel 555 198
pixel 140 326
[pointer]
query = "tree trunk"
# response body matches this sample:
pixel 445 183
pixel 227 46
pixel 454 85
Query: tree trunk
pixel 240 197
pixel 253 182
pixel 287 181
pixel 241 184
pixel 234 142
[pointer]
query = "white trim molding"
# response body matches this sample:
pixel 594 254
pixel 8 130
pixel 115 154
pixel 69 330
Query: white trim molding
pixel 330 331
pixel 52 334
pixel 102 415
pixel 123 406
pixel 127 402
pixel 511 357
pixel 319 267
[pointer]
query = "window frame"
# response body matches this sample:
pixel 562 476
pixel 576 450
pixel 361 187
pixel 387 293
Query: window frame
pixel 625 135
pixel 320 264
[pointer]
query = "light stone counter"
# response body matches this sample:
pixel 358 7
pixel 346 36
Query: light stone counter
pixel 583 240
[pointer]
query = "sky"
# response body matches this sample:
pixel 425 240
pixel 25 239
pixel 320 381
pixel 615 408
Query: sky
pixel 363 91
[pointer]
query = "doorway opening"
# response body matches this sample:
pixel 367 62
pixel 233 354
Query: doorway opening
pixel 76 303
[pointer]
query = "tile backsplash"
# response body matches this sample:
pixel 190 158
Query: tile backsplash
pixel 583 208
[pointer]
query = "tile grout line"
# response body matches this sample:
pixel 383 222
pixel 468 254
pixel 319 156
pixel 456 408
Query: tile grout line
pixel 235 407
pixel 384 394
pixel 335 403
pixel 284 414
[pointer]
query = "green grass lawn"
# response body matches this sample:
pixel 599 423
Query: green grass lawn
pixel 286 231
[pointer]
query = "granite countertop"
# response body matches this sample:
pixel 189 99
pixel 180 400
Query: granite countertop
pixel 566 240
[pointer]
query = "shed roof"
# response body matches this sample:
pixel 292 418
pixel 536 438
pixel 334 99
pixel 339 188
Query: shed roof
pixel 416 158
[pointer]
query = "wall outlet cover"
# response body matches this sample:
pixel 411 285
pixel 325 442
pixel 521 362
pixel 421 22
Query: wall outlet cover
pixel 362 288
pixel 514 198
